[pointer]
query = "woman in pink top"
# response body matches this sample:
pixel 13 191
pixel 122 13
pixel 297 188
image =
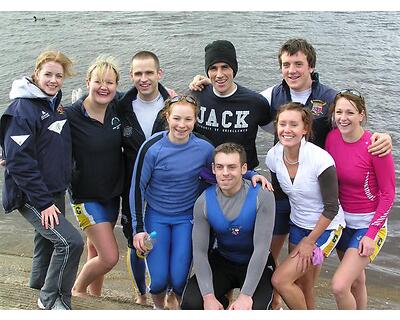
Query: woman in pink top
pixel 366 193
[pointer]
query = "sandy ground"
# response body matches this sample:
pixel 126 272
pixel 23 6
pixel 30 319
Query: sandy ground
pixel 118 293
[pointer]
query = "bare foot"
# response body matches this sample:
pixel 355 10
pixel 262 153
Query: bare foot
pixel 171 302
pixel 276 301
pixel 141 299
pixel 159 301
pixel 81 294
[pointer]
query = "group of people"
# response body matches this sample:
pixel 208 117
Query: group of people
pixel 184 166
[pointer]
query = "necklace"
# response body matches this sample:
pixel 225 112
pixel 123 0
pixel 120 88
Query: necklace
pixel 289 162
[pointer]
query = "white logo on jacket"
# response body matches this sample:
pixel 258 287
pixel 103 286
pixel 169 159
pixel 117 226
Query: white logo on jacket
pixel 20 139
pixel 44 115
pixel 57 126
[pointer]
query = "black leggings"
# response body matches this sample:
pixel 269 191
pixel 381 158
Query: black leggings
pixel 227 276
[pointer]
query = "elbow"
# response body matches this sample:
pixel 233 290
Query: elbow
pixel 330 210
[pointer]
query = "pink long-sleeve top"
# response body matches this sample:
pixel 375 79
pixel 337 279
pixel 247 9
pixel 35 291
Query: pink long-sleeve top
pixel 366 182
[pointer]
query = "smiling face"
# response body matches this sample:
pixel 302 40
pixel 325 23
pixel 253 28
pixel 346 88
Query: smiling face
pixel 102 86
pixel 145 75
pixel 181 119
pixel 348 119
pixel 228 171
pixel 221 76
pixel 296 71
pixel 290 128
pixel 50 77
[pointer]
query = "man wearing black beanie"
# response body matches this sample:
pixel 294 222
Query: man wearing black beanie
pixel 221 51
pixel 229 112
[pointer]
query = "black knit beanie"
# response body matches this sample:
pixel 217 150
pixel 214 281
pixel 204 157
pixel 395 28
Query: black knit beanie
pixel 221 51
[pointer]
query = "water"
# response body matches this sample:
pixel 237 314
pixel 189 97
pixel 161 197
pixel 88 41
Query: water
pixel 354 49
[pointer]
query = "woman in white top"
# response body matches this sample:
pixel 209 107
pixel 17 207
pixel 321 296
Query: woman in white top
pixel 307 174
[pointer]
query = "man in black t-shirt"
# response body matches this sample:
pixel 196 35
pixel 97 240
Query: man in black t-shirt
pixel 228 111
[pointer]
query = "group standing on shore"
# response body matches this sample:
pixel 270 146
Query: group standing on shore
pixel 158 151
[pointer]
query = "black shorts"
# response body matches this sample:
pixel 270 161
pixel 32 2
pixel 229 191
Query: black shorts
pixel 227 276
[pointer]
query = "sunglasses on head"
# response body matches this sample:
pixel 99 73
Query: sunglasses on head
pixel 180 98
pixel 353 92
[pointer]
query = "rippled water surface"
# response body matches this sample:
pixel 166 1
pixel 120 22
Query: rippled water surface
pixel 355 49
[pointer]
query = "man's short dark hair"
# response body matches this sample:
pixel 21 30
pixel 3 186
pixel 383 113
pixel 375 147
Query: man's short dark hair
pixel 147 55
pixel 229 148
pixel 292 46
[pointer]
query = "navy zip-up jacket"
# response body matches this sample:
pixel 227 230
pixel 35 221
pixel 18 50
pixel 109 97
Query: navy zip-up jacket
pixel 98 168
pixel 36 141
pixel 132 133
pixel 318 102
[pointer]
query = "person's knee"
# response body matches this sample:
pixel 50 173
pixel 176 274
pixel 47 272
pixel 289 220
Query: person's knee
pixel 278 280
pixel 339 286
pixel 110 260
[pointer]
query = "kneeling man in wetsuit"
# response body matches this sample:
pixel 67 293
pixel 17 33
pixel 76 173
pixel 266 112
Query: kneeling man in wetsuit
pixel 242 219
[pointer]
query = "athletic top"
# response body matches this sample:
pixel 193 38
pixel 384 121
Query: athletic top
pixel 36 139
pixel 366 182
pixel 305 194
pixel 146 113
pixel 98 167
pixel 233 213
pixel 234 118
pixel 234 237
pixel 166 176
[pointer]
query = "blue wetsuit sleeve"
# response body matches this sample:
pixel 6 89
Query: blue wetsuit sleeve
pixel 250 174
pixel 263 229
pixel 22 164
pixel 200 241
pixel 143 168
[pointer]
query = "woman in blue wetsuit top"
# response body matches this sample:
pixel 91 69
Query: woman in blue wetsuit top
pixel 166 178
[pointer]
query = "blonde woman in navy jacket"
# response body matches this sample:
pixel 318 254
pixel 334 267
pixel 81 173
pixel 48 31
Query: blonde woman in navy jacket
pixel 35 137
